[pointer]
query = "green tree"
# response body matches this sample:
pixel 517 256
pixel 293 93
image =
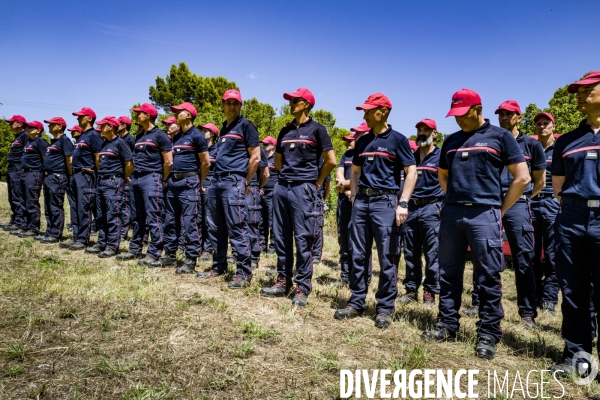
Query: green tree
pixel 6 138
pixel 526 125
pixel 261 114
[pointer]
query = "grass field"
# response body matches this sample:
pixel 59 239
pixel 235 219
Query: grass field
pixel 73 326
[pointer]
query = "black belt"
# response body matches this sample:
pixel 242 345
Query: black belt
pixel 29 170
pixel 76 171
pixel 110 176
pixel 580 203
pixel 376 192
pixel 429 200
pixel 52 172
pixel 184 174
pixel 229 174
pixel 544 196
pixel 288 183
pixel 142 173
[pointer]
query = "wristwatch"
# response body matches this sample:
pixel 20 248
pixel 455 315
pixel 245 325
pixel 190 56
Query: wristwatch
pixel 403 204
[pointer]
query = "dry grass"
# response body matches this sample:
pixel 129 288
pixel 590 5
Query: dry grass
pixel 74 326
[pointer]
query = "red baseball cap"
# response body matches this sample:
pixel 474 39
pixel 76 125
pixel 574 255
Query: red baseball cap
pixel 462 101
pixel 232 94
pixel 212 127
pixel 269 140
pixel 125 120
pixel 509 105
pixel 427 122
pixel 147 108
pixel 302 93
pixel 189 107
pixel 18 118
pixel 85 111
pixel 110 120
pixel 56 120
pixel 349 137
pixel 170 120
pixel 374 101
pixel 543 114
pixel 363 127
pixel 35 124
pixel 589 79
pixel 76 128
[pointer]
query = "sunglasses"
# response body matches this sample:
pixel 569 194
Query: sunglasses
pixel 296 100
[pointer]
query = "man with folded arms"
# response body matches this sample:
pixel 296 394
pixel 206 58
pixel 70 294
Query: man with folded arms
pixel 32 162
pixel 83 180
pixel 378 209
pixel 57 170
pixel 152 160
pixel 470 166
pixel 236 163
pixel 190 166
pixel 115 166
pixel 13 174
pixel 422 227
pixel 211 134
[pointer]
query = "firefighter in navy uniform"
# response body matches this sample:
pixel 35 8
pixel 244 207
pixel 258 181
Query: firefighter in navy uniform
pixel 115 167
pixel 13 174
pixel 57 170
pixel 190 166
pixel 300 147
pixel 123 133
pixel 32 162
pixel 422 227
pixel 236 163
pixel 469 172
pixel 576 184
pixel 544 209
pixel 379 209
pixel 266 232
pixel 211 134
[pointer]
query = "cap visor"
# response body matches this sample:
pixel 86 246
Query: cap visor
pixel 79 113
pixel 289 96
pixel 458 111
pixel 573 87
pixel 366 106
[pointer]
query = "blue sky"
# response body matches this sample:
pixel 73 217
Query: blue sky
pixel 58 56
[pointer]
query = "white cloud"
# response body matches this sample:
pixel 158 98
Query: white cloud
pixel 253 75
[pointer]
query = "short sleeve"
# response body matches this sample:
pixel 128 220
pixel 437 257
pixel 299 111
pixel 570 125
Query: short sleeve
pixel 200 143
pixel 264 160
pixel 96 142
pixel 360 145
pixel 511 152
pixel 125 151
pixel 250 135
pixel 42 146
pixel 443 163
pixel 278 147
pixel 164 143
pixel 538 157
pixel 558 165
pixel 67 146
pixel 341 164
pixel 324 139
pixel 405 153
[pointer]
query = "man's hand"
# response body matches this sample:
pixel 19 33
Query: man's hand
pixel 401 214
pixel 128 180
pixel 348 193
pixel 202 189
pixel 248 190
pixel 164 184
pixel 262 191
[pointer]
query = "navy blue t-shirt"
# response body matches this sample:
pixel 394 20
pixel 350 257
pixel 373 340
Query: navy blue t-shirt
pixel 34 153
pixel 346 162
pixel 475 161
pixel 16 148
pixel 185 150
pixel 232 146
pixel 148 150
pixel 263 163
pixel 130 140
pixel 87 145
pixel 113 156
pixel 548 153
pixel 56 154
pixel 382 158
pixel 535 158
pixel 576 158
pixel 302 149
pixel 428 185
pixel 273 173
pixel 212 155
